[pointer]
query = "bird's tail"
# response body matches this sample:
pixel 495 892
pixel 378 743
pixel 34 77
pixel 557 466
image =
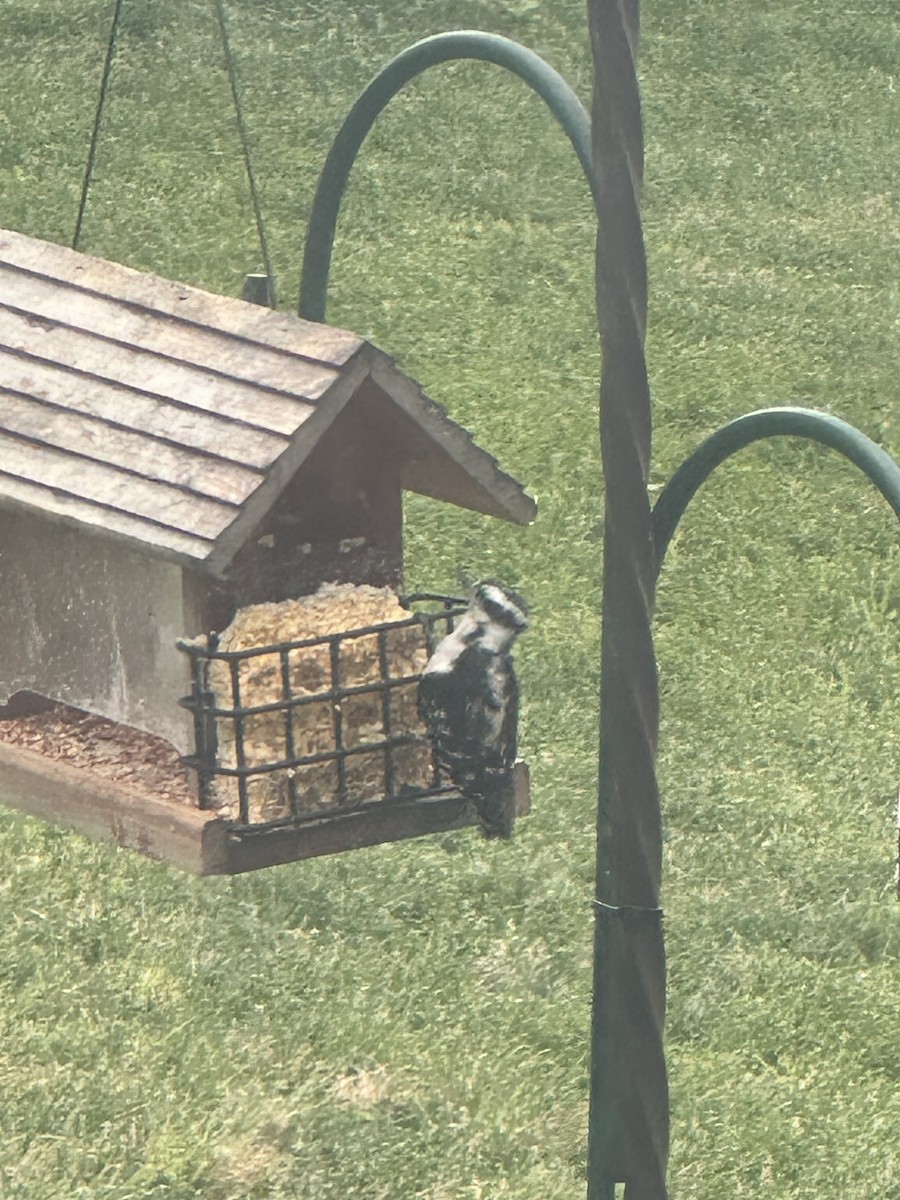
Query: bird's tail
pixel 495 804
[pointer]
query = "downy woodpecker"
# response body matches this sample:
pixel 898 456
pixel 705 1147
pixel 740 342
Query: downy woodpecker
pixel 469 702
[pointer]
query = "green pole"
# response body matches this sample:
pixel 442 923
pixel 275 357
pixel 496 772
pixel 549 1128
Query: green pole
pixel 628 1127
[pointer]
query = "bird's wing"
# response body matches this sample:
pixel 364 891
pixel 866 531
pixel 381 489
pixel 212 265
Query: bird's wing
pixel 428 700
pixel 509 733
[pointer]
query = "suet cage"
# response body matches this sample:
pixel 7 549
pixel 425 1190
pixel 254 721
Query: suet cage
pixel 290 730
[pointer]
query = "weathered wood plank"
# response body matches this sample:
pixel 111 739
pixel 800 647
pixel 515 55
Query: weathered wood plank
pixel 115 812
pixel 302 444
pixel 100 484
pixel 71 510
pixel 279 330
pixel 161 376
pixel 192 428
pixel 198 841
pixel 335 835
pixel 371 827
pixel 447 463
pixel 151 458
pixel 84 333
pixel 156 333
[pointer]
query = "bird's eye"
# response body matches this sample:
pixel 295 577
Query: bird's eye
pixel 473 634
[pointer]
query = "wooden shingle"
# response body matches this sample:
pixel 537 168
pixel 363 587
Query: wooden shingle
pixel 172 418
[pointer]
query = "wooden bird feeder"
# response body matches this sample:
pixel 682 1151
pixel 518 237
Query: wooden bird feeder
pixel 170 458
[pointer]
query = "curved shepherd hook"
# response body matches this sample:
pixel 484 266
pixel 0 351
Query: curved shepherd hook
pixel 443 47
pixel 820 427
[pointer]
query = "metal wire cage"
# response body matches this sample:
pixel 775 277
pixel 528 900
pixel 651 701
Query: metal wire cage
pixel 292 732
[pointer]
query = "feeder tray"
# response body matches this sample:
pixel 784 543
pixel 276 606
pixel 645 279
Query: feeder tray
pixel 169 458
pixel 372 777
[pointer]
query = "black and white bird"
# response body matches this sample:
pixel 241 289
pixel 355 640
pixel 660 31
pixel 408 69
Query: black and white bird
pixel 469 702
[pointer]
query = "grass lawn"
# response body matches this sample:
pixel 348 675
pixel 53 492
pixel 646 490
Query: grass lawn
pixel 410 1022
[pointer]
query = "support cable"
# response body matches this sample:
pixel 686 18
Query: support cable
pixel 245 149
pixel 98 120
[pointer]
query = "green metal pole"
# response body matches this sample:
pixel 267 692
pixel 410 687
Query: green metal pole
pixel 629 1118
pixel 443 47
pixel 820 427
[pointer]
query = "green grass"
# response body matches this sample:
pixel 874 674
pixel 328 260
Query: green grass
pixel 411 1021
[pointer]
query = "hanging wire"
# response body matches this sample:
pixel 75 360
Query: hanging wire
pixel 98 118
pixel 245 147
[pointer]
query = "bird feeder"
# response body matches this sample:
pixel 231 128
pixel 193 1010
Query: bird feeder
pixel 202 652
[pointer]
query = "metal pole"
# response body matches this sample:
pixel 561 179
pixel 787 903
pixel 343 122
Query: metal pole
pixel 628 1123
pixel 443 47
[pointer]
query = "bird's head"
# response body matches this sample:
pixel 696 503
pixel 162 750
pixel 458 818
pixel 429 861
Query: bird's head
pixel 503 612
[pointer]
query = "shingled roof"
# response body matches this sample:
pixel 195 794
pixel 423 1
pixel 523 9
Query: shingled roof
pixel 173 418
